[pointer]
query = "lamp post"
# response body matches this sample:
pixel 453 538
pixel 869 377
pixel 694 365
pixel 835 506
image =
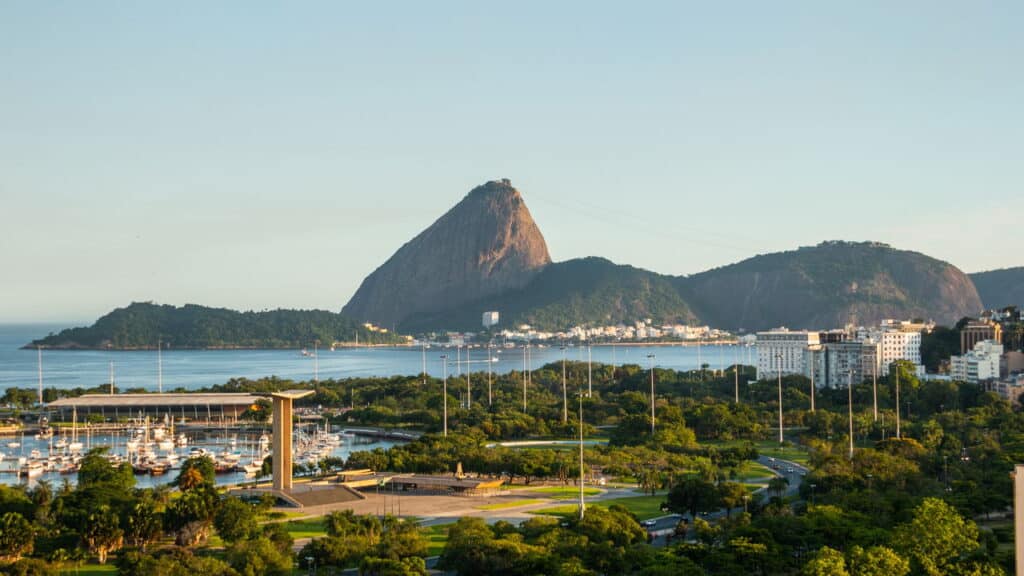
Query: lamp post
pixel 651 358
pixel 898 402
pixel 590 376
pixel 526 347
pixel 444 392
pixel 814 366
pixel 778 356
pixel 813 486
pixel 874 386
pixel 489 360
pixel 849 391
pixel 736 375
pixel 582 504
pixel 565 397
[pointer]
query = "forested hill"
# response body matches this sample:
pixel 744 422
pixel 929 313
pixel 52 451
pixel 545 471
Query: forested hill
pixel 581 291
pixel 140 325
pixel 1000 288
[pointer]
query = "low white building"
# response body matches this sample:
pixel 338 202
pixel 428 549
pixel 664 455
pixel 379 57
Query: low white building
pixel 978 365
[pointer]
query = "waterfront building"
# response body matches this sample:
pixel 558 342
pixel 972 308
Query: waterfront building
pixel 783 351
pixel 188 406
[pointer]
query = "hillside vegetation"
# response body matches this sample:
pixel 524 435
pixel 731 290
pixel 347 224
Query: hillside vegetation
pixel 140 325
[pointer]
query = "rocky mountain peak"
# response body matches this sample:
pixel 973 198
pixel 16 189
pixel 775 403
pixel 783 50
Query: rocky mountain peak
pixel 486 244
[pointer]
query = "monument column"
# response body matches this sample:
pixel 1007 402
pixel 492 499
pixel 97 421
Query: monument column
pixel 282 441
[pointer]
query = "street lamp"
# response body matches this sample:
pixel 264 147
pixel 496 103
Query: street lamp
pixel 651 358
pixel 444 393
pixel 849 391
pixel 778 356
pixel 582 504
pixel 565 397
pixel 898 402
pixel 813 486
pixel 526 348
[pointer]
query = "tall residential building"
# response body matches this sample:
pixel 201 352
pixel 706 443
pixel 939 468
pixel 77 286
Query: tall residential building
pixel 837 363
pixel 782 351
pixel 900 345
pixel 490 318
pixel 978 365
pixel 977 331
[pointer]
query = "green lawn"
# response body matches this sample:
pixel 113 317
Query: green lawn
pixel 308 528
pixel 752 470
pixel 512 504
pixel 643 507
pixel 565 492
pixel 96 569
pixel 793 453
pixel 437 537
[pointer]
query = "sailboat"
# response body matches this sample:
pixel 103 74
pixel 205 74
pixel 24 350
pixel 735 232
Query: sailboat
pixel 75 445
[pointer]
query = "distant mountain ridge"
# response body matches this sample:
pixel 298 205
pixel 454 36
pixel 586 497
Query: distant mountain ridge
pixel 444 279
pixel 141 324
pixel 1000 288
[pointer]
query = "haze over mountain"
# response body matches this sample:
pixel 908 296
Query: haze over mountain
pixel 1000 288
pixel 486 253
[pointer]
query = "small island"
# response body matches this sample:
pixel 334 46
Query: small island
pixel 141 325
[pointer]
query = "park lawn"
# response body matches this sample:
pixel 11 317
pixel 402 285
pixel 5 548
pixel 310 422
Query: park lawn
pixel 307 528
pixel 436 537
pixel 96 569
pixel 793 452
pixel 751 470
pixel 512 504
pixel 643 507
pixel 565 492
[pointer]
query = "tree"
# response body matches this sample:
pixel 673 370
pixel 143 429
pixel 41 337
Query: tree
pixel 96 470
pixel 144 523
pixel 411 566
pixel 235 520
pixel 877 561
pixel 732 495
pixel 937 538
pixel 190 516
pixel 826 562
pixel 259 557
pixel 195 471
pixel 16 536
pixel 693 495
pixel 102 533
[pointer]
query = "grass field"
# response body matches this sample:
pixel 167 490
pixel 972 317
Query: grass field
pixel 437 537
pixel 309 528
pixel 643 507
pixel 565 492
pixel 95 569
pixel 512 504
pixel 793 453
pixel 752 470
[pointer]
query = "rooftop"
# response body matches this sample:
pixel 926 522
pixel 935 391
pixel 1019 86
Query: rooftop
pixel 143 400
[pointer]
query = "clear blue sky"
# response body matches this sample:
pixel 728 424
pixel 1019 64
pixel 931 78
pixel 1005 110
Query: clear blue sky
pixel 257 155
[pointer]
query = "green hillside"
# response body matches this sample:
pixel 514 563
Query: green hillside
pixel 583 291
pixel 139 325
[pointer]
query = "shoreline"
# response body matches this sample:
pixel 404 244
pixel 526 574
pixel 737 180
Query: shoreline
pixel 353 346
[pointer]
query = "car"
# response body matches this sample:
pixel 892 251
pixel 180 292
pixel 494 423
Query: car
pixel 648 523
pixel 789 470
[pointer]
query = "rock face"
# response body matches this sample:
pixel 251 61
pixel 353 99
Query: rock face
pixel 486 245
pixel 829 285
pixel 1000 288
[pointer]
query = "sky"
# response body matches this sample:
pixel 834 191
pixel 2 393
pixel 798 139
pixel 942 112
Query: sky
pixel 260 155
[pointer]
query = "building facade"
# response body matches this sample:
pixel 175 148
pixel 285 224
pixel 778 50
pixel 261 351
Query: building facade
pixel 782 352
pixel 979 365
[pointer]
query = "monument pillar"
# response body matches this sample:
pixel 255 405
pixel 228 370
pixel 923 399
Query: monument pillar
pixel 281 444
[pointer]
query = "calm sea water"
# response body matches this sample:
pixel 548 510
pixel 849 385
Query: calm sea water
pixel 192 369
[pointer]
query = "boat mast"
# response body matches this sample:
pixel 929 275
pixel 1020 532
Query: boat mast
pixel 159 368
pixel 39 351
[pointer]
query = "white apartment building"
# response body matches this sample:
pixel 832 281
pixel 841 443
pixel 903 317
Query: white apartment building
pixel 900 345
pixel 782 351
pixel 835 364
pixel 978 365
pixel 490 318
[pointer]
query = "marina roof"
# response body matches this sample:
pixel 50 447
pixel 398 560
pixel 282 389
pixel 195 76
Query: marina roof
pixel 143 400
